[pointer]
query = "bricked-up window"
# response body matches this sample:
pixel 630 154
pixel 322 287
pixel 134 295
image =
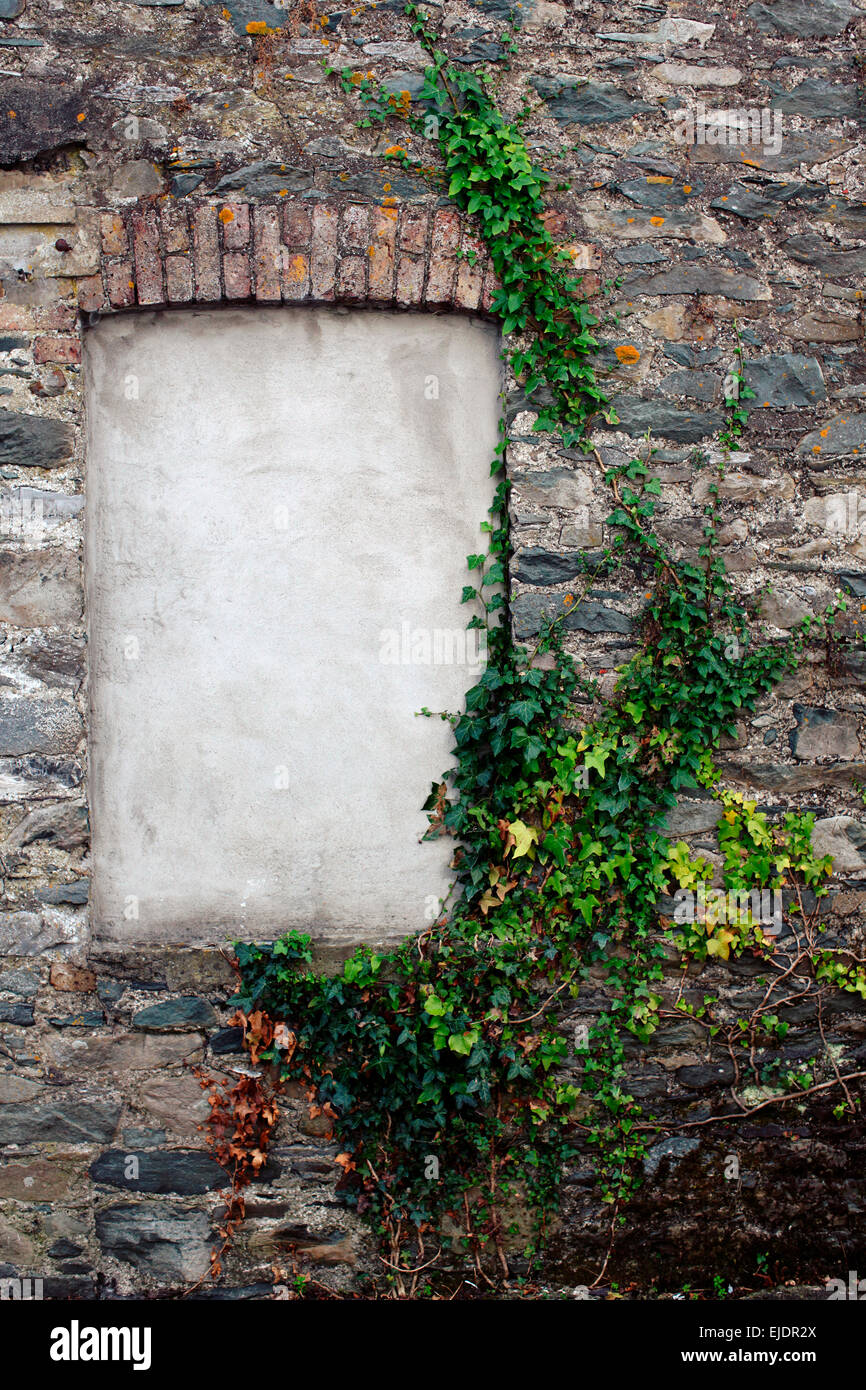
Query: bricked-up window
pixel 279 506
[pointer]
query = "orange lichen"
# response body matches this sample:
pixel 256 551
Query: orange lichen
pixel 628 354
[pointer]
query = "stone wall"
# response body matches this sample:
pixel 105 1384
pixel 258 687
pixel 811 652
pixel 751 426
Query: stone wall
pixel 169 154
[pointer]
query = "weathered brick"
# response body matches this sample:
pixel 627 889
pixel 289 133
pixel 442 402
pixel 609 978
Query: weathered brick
pixel 381 254
pixel 355 227
pixel 297 227
pixel 206 253
pixel 120 284
pixel 115 242
pixel 296 276
pixel 235 218
pixel 352 277
pixel 50 349
pixel 15 316
pixel 178 279
pixel 267 254
pixel 59 316
pixel 175 230
pixel 236 274
pixel 69 977
pixel 323 256
pixel 413 230
pixel 91 293
pixel 443 257
pixel 148 264
pixel 491 286
pixel 410 280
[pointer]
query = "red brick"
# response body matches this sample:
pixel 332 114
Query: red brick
pixel 207 255
pixel 178 279
pixel 352 278
pixel 236 273
pixel 148 263
pixel 91 293
pixel 355 227
pixel 114 239
pixel 323 254
pixel 267 254
pixel 15 316
pixel 382 254
pixel 296 276
pixel 175 230
pixel 60 316
pixel 235 218
pixel 120 284
pixel 413 230
pixel 443 263
pixel 57 350
pixel 410 280
pixel 76 978
pixel 296 226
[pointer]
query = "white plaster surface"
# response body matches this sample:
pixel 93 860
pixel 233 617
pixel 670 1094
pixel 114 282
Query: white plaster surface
pixel 268 491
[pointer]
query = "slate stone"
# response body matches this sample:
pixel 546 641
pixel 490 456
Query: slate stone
pixel 823 733
pixel 21 1014
pixel 853 582
pixel 805 19
pixel 504 10
pixel 588 104
pixel 90 1018
pixel 481 49
pixel 529 611
pixel 815 147
pixel 537 566
pixel 183 184
pixel 75 894
pixel 265 179
pixel 702 1078
pixel 819 99
pixel 642 254
pixel 162 1240
pixel 372 186
pixel 227 1040
pixel 697 279
pixel 411 82
pixel 656 196
pixel 244 12
pixel 844 434
pixel 814 251
pixel 786 381
pixel 184 1171
pixel 34 441
pixel 687 356
pixel 188 1012
pixel 636 416
pixel 38 725
pixel 59 1122
pixel 746 203
pixel 674 1148
pixel 11 9
pixel 65 824
pixel 46 118
pixel 21 982
pixel 701 386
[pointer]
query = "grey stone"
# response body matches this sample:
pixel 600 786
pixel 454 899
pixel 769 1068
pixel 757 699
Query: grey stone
pixel 265 179
pixel 536 566
pixel 244 12
pixel 818 99
pixel 823 733
pixel 567 488
pixel 692 817
pixel 46 118
pixel 831 835
pixel 658 197
pixel 25 934
pixel 697 279
pixel 189 1012
pixel 813 250
pixel 38 725
pixel 853 582
pixel 806 19
pixel 787 380
pixel 161 1239
pixel 636 416
pixel 588 104
pixel 34 441
pixel 746 203
pixel 642 254
pixel 373 186
pixel 674 1148
pixel 783 610
pixel 22 982
pixel 64 824
pixel 11 9
pixel 702 1078
pixel 701 386
pixel 21 1014
pixel 54 660
pixel 137 178
pixel 530 610
pixel 411 82
pixel 59 1122
pixel 688 356
pixel 184 1171
pixel 814 148
pixel 75 894
pixel 844 434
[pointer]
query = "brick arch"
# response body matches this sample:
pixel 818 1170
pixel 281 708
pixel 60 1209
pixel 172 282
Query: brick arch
pixel 293 251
